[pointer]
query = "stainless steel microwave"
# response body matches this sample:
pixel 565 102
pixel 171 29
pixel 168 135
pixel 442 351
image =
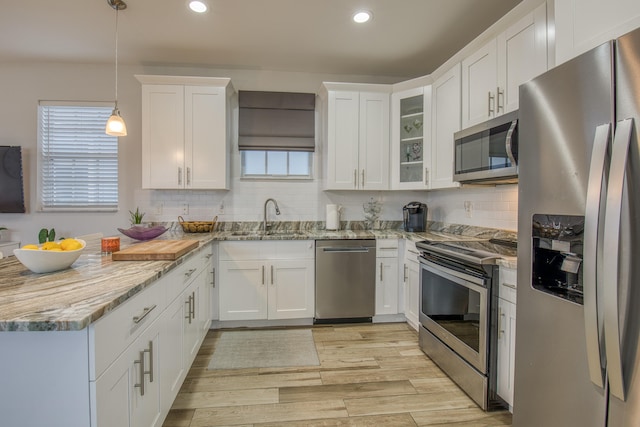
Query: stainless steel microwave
pixel 488 152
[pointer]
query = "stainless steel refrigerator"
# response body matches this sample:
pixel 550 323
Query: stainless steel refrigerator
pixel 577 359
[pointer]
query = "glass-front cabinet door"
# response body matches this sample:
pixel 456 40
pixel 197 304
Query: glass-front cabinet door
pixel 411 136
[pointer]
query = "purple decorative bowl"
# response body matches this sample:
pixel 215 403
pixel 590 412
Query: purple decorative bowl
pixel 139 232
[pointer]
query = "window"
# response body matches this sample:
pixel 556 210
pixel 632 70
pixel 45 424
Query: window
pixel 77 161
pixel 276 164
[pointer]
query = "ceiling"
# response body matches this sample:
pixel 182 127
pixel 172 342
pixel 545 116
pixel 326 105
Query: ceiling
pixel 405 38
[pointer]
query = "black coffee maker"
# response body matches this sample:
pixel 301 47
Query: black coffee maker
pixel 415 216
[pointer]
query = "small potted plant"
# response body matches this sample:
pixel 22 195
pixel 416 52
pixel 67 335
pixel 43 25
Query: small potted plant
pixel 136 217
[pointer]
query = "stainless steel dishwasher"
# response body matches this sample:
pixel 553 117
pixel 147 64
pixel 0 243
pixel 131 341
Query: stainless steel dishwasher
pixel 345 280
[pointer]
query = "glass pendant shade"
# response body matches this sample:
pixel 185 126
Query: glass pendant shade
pixel 116 125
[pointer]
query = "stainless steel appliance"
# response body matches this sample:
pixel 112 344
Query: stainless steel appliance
pixel 488 152
pixel 578 320
pixel 458 314
pixel 414 216
pixel 345 280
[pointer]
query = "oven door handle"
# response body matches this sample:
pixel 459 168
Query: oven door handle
pixel 475 283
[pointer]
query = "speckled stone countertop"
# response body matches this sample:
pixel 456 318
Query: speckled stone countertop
pixel 71 299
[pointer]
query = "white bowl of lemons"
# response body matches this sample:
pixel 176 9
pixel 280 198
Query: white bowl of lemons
pixel 50 256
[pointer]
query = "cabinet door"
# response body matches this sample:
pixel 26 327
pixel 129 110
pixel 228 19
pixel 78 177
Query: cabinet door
pixel 243 291
pixel 174 367
pixel 522 55
pixel 506 349
pixel 191 331
pixel 121 399
pixel 342 140
pixel 445 122
pixel 581 25
pixel 374 141
pixel 412 297
pixel 205 138
pixel 387 286
pixel 162 136
pixel 479 84
pixel 291 289
pixel 410 138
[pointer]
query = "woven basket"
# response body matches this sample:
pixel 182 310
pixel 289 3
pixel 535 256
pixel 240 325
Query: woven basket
pixel 197 226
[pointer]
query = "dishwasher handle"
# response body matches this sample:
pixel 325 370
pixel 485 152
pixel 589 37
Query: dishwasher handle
pixel 355 249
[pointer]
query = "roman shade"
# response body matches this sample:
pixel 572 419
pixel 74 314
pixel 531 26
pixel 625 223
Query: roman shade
pixel 276 121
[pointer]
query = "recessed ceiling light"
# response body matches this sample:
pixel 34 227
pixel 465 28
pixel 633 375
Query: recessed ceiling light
pixel 362 16
pixel 198 6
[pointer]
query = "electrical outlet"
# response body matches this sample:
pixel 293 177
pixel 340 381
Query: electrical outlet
pixel 185 209
pixel 468 208
pixel 158 210
pixel 221 208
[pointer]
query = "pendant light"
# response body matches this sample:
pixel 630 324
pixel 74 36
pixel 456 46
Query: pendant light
pixel 115 125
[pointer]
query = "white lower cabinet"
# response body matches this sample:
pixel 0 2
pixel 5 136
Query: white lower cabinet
pixel 411 284
pixel 163 328
pixel 506 333
pixel 266 280
pixel 386 276
pixel 128 393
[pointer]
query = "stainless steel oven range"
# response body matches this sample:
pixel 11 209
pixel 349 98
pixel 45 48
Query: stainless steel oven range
pixel 458 313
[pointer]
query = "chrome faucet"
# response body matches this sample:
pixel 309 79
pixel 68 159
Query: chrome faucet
pixel 264 219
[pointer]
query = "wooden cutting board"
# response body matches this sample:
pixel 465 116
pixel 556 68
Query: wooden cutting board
pixel 155 250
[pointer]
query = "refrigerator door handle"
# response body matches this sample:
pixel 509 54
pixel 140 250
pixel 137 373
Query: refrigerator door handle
pixel 596 357
pixel 611 247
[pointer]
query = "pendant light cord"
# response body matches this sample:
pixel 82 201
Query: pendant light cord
pixel 116 103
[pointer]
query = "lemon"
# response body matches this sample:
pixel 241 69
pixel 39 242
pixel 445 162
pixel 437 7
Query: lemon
pixel 70 245
pixel 48 246
pixel 31 247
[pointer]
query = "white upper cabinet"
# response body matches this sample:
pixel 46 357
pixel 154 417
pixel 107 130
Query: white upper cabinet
pixel 356 132
pixel 491 75
pixel 522 55
pixel 479 85
pixel 584 24
pixel 185 132
pixel 410 138
pixel 445 121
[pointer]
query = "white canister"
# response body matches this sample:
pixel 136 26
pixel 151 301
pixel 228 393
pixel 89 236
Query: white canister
pixel 333 217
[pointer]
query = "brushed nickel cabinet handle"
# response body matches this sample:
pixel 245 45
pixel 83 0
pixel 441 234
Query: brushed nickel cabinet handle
pixel 193 305
pixel 150 351
pixel 188 302
pixel 381 267
pixel 362 186
pixel 190 272
pixel 263 274
pixel 188 176
pixel 140 363
pixel 179 176
pixel 404 278
pixel 509 285
pixel 213 277
pixel 355 178
pixel 145 312
pixel 490 102
pixel 499 93
pixel 272 274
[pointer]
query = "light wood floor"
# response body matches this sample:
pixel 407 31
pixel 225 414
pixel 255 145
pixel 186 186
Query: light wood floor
pixel 369 375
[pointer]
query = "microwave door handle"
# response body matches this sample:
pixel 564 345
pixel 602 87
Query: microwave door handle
pixel 593 322
pixel 509 142
pixel 611 247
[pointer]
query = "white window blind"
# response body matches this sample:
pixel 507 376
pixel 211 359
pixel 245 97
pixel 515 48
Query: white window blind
pixel 78 162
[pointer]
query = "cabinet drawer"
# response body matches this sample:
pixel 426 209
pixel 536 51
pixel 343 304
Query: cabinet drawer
pixel 113 333
pixel 274 249
pixel 508 279
pixel 387 248
pixel 181 277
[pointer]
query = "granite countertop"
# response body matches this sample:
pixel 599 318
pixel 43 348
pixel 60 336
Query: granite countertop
pixel 71 299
